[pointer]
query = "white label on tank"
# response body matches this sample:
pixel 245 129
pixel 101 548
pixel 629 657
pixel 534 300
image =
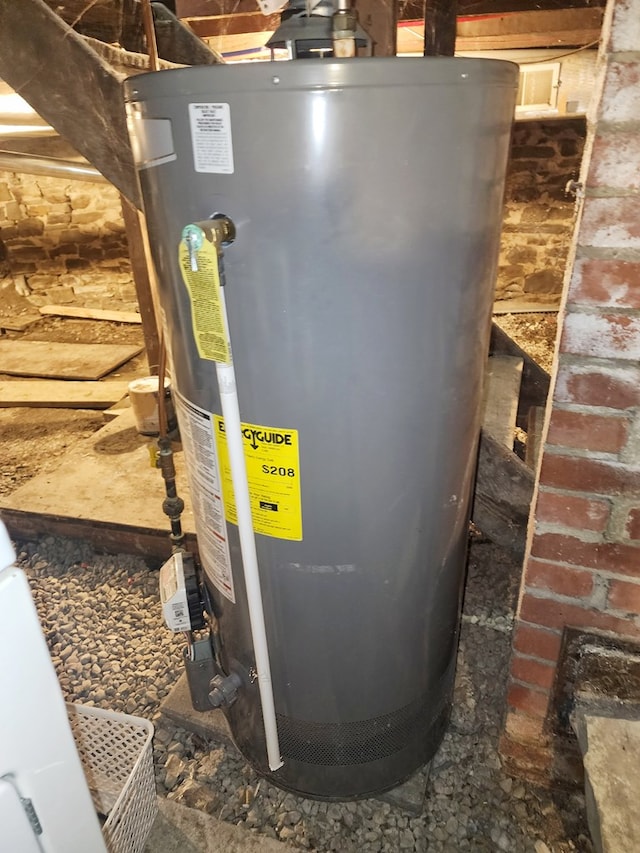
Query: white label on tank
pixel 203 474
pixel 211 138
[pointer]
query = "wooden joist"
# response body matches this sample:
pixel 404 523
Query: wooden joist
pixel 86 107
pixel 440 27
pixel 379 19
pixel 143 272
pixel 501 394
pixel 492 7
pixel 178 42
pixel 504 489
pixel 534 389
pixel 106 536
pixel 557 28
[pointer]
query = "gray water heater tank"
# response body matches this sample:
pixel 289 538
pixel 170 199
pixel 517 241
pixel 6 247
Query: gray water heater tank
pixel 367 197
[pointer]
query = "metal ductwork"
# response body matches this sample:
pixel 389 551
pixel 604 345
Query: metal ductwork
pixel 51 167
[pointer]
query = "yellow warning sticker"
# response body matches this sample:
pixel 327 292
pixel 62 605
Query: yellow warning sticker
pixel 207 314
pixel 273 472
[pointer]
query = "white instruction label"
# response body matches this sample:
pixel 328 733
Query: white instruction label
pixel 203 474
pixel 211 138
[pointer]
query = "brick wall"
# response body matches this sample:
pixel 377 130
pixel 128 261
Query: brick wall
pixel 583 561
pixel 67 238
pixel 539 214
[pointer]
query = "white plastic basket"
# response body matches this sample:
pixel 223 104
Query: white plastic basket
pixel 116 754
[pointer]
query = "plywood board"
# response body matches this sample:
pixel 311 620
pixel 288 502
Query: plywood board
pixel 534 435
pixel 62 361
pixel 91 313
pixel 501 397
pixel 103 489
pixel 60 394
pixel 534 389
pixel 504 488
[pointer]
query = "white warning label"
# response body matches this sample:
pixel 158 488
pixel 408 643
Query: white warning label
pixel 211 138
pixel 203 473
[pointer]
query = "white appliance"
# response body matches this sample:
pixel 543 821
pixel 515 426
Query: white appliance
pixel 45 804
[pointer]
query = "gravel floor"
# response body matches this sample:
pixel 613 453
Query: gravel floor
pixel 102 621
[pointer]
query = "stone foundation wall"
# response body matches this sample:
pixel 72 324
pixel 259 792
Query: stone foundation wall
pixel 67 238
pixel 67 241
pixel 539 214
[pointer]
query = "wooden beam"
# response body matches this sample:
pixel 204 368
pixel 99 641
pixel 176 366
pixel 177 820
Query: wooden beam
pixel 106 537
pixel 501 394
pixel 439 27
pixel 534 388
pixel 71 87
pixel 178 43
pixel 521 41
pixel 492 7
pixel 231 25
pixel 531 29
pixel 531 21
pixel 379 19
pixel 136 237
pixel 132 37
pixel 406 10
pixel 504 490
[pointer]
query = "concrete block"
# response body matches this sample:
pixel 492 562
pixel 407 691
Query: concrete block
pixel 179 829
pixel 211 725
pixel 410 796
pixel 611 748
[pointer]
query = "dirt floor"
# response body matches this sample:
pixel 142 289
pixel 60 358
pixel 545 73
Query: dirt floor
pixel 33 439
pixel 535 333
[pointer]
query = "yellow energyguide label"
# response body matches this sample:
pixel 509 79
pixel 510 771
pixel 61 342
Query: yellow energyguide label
pixel 207 316
pixel 273 473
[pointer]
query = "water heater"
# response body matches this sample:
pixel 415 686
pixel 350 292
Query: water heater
pixel 367 197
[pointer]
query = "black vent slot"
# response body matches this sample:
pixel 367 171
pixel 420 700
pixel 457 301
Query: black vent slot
pixel 356 742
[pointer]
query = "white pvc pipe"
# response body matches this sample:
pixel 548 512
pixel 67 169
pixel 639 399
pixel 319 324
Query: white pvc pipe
pixel 233 431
